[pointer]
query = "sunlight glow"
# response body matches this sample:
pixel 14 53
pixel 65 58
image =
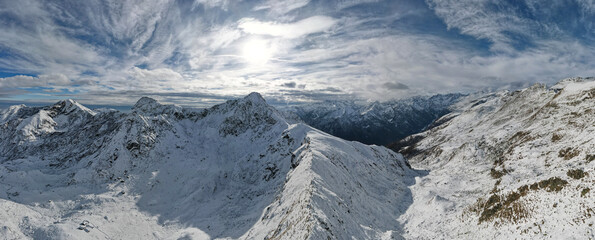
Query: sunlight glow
pixel 257 51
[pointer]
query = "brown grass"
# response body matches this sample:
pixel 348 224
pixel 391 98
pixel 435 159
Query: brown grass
pixel 521 137
pixel 585 191
pixel 552 105
pixel 556 137
pixel 506 208
pixel 568 153
pixel 576 173
pixel 554 184
pixel 509 208
pixel 497 174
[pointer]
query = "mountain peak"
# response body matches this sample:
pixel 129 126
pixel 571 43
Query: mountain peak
pixel 564 82
pixel 143 101
pixel 66 103
pixel 150 106
pixel 69 105
pixel 146 104
pixel 255 98
pixel 10 112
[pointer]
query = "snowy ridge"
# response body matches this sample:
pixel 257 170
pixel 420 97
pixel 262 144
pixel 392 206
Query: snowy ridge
pixel 509 165
pixel 9 113
pixel 236 170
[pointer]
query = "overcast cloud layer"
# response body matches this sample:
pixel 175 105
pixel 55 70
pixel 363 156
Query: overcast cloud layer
pixel 204 51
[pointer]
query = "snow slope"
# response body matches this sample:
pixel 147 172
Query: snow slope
pixel 236 170
pixel 511 165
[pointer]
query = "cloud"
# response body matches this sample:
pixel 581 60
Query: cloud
pixel 213 3
pixel 511 26
pixel 289 84
pixel 287 30
pixel 331 89
pixel 45 80
pixel 351 3
pixel 282 7
pixel 395 86
pixel 156 75
pixel 306 50
pixel 19 81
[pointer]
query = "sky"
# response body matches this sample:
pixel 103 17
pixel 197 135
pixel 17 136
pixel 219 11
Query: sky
pixel 202 52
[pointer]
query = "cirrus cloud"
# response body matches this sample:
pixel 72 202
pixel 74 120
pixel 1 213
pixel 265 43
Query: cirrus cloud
pixel 292 51
pixel 292 30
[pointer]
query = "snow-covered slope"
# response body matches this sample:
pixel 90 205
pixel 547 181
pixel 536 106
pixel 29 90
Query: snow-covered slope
pixel 378 122
pixel 236 170
pixel 510 165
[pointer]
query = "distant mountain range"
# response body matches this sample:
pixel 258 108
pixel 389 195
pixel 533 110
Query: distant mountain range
pixel 377 123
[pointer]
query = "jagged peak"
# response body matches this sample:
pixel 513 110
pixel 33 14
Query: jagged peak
pixel 250 112
pixel 255 97
pixel 68 102
pixel 10 112
pixel 16 107
pixel 565 82
pixel 576 79
pixel 536 86
pixel 150 106
pixel 69 105
pixel 251 102
pixel 144 102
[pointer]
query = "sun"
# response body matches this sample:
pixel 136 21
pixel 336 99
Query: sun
pixel 257 51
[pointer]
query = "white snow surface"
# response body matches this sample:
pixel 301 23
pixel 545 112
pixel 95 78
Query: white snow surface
pixel 528 136
pixel 238 170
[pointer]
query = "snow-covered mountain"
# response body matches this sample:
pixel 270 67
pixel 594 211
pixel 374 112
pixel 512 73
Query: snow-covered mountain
pixel 510 165
pixel 505 165
pixel 377 122
pixel 236 170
